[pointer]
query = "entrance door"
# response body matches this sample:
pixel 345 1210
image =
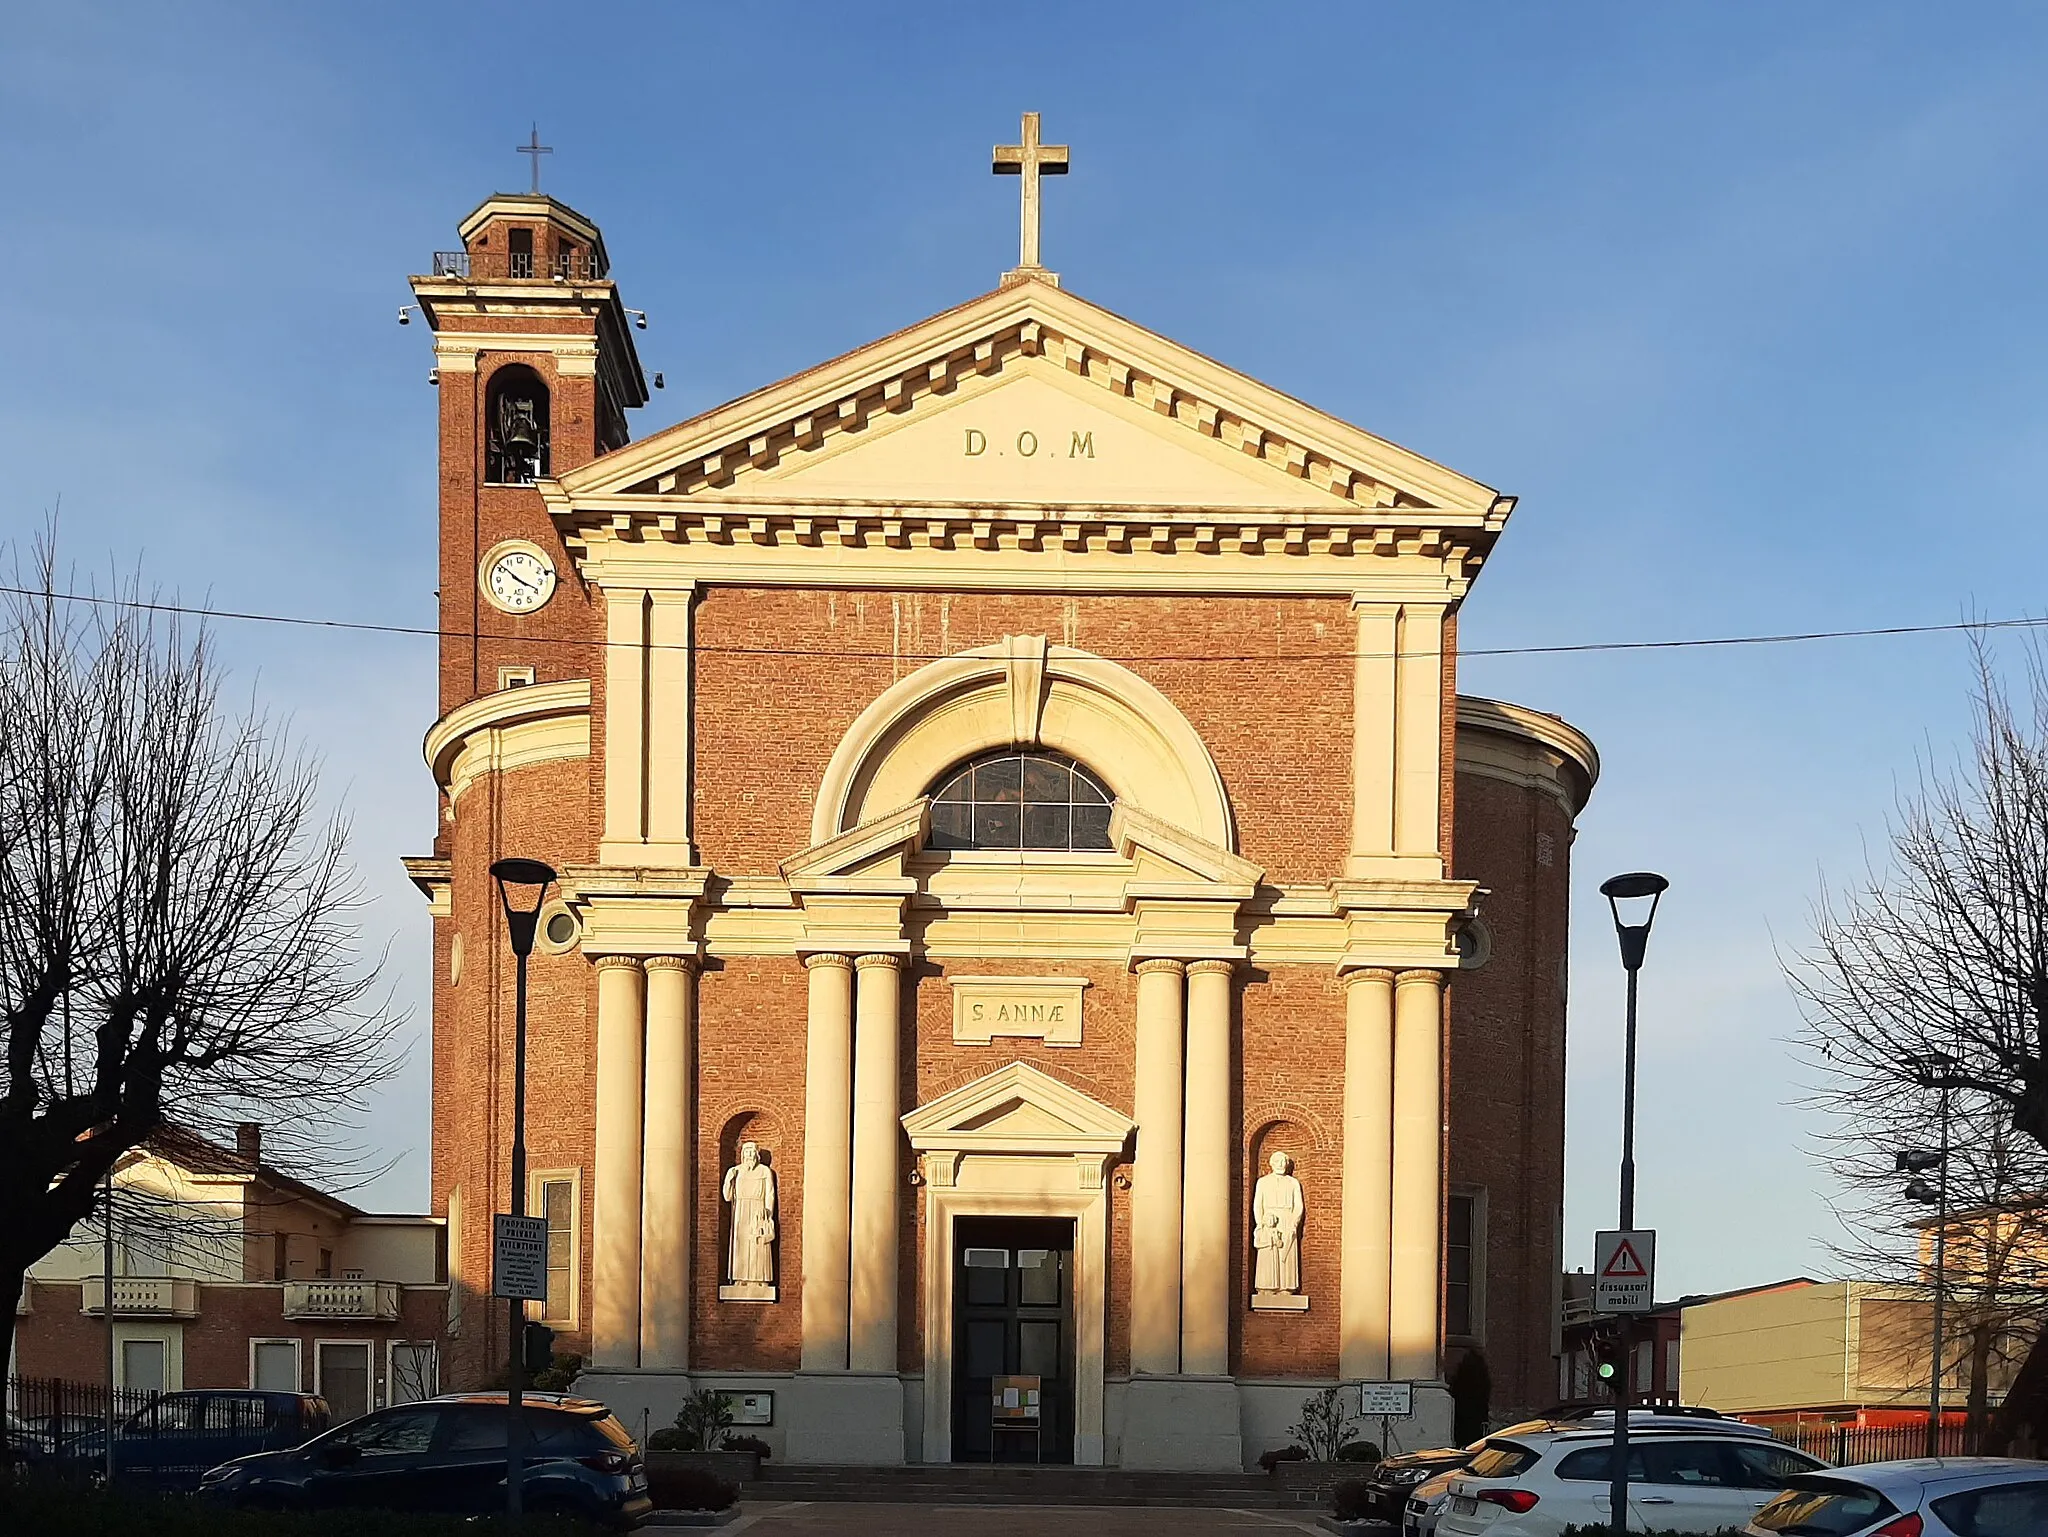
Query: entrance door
pixel 1013 1315
pixel 341 1375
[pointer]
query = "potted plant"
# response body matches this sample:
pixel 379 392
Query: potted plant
pixel 1323 1453
pixel 701 1438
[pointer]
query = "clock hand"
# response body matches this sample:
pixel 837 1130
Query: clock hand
pixel 522 581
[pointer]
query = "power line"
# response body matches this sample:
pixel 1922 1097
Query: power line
pixel 301 621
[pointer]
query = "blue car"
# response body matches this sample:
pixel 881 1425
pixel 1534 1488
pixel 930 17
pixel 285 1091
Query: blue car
pixel 448 1454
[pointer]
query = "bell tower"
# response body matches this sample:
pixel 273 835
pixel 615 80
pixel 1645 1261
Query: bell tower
pixel 536 369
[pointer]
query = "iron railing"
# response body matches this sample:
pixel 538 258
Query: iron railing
pixel 58 1428
pixel 519 266
pixel 1847 1445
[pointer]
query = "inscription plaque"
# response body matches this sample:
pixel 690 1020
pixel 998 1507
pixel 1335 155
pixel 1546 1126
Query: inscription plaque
pixel 1040 1008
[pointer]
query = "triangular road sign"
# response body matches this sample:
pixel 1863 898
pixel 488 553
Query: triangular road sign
pixel 1624 1263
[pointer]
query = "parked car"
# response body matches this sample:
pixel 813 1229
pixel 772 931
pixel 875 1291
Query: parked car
pixel 1925 1497
pixel 1427 1501
pixel 448 1454
pixel 1393 1479
pixel 170 1442
pixel 1697 1476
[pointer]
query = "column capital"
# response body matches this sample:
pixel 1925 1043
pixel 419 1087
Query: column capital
pixel 610 962
pixel 878 958
pixel 1211 967
pixel 1366 974
pixel 684 963
pixel 1161 963
pixel 827 958
pixel 1417 978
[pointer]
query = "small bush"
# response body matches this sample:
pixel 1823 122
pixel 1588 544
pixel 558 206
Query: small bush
pixel 1282 1454
pixel 1358 1451
pixel 752 1444
pixel 690 1489
pixel 1325 1425
pixel 1351 1500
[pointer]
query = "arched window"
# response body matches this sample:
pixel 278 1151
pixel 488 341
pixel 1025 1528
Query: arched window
pixel 516 427
pixel 1021 800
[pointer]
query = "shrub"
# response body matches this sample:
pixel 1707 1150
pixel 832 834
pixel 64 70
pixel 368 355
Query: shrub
pixel 1325 1425
pixel 752 1444
pixel 1281 1454
pixel 688 1488
pixel 701 1425
pixel 1358 1451
pixel 562 1370
pixel 1351 1500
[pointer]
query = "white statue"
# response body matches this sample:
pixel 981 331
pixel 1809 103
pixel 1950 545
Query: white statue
pixel 1277 1210
pixel 750 1188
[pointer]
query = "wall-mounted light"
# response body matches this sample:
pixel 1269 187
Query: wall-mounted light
pixel 639 319
pixel 657 381
pixel 434 377
pixel 404 315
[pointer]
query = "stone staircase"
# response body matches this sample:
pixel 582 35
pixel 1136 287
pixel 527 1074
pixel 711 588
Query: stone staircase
pixel 1016 1484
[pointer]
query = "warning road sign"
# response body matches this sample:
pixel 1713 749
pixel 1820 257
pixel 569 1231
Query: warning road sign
pixel 1625 1271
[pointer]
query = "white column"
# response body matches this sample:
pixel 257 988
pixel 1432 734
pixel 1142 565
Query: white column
pixel 1206 1177
pixel 625 727
pixel 828 1144
pixel 1367 1233
pixel 1156 1200
pixel 615 1226
pixel 877 1162
pixel 1419 734
pixel 1416 1288
pixel 668 727
pixel 668 1208
pixel 1372 735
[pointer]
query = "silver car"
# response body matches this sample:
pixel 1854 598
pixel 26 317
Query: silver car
pixel 1925 1497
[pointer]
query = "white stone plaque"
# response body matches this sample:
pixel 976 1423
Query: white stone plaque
pixel 1040 1008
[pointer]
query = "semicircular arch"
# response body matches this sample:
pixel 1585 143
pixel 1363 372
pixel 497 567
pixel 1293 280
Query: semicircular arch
pixel 1097 712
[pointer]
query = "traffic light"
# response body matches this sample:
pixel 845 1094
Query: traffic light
pixel 1606 1350
pixel 537 1349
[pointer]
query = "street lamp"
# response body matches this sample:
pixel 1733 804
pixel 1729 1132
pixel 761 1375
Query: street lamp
pixel 521 923
pixel 1931 1069
pixel 1633 900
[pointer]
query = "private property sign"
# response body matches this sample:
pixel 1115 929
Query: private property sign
pixel 519 1258
pixel 1624 1271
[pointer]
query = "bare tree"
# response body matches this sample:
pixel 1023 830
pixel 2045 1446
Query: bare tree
pixel 178 939
pixel 1931 975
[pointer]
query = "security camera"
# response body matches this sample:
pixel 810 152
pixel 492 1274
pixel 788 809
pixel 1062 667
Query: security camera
pixel 434 376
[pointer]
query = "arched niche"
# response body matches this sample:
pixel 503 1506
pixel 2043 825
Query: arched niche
pixel 1021 692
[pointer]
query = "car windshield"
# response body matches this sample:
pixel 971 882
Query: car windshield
pixel 1817 1509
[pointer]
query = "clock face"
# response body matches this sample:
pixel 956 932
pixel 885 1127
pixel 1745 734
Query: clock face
pixel 519 579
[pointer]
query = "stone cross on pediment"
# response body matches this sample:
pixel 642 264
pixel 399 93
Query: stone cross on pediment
pixel 1030 160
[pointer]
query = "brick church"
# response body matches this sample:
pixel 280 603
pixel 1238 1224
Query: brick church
pixel 1035 913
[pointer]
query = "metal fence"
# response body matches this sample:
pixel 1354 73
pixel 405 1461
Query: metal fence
pixel 59 1427
pixel 1847 1445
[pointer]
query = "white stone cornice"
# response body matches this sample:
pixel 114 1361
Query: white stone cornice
pixel 535 724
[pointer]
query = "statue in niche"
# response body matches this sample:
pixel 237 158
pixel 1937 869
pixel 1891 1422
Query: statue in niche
pixel 750 1252
pixel 1277 1212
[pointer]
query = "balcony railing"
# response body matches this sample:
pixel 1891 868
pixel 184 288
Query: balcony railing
pixel 364 1301
pixel 141 1297
pixel 519 266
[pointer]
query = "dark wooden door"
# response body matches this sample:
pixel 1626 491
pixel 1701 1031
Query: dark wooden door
pixel 1013 1315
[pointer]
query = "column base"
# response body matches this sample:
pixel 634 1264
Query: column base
pixel 1182 1424
pixel 846 1418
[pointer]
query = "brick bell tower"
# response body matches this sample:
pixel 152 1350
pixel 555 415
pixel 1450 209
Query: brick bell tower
pixel 536 369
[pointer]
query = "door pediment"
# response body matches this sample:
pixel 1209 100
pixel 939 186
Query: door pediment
pixel 1017 1109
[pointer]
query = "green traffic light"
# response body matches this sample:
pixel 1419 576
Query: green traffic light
pixel 1606 1372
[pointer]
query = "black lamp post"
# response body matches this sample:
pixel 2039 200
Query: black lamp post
pixel 1932 1069
pixel 521 923
pixel 1633 900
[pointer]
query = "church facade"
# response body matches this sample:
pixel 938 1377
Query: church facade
pixel 1035 915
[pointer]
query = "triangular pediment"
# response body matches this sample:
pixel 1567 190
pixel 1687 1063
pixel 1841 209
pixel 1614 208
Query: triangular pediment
pixel 1028 396
pixel 1017 1109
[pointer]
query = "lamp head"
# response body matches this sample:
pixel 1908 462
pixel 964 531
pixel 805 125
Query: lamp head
pixel 1917 1160
pixel 522 922
pixel 1919 1190
pixel 1641 890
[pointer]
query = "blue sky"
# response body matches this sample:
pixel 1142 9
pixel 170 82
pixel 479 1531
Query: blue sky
pixel 1743 301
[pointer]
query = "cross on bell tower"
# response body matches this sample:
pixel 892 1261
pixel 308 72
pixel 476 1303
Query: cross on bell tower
pixel 1030 160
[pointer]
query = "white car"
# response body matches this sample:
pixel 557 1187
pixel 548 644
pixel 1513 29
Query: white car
pixel 1701 1478
pixel 1926 1497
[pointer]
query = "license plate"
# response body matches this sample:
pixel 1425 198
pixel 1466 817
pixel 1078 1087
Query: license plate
pixel 1464 1507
